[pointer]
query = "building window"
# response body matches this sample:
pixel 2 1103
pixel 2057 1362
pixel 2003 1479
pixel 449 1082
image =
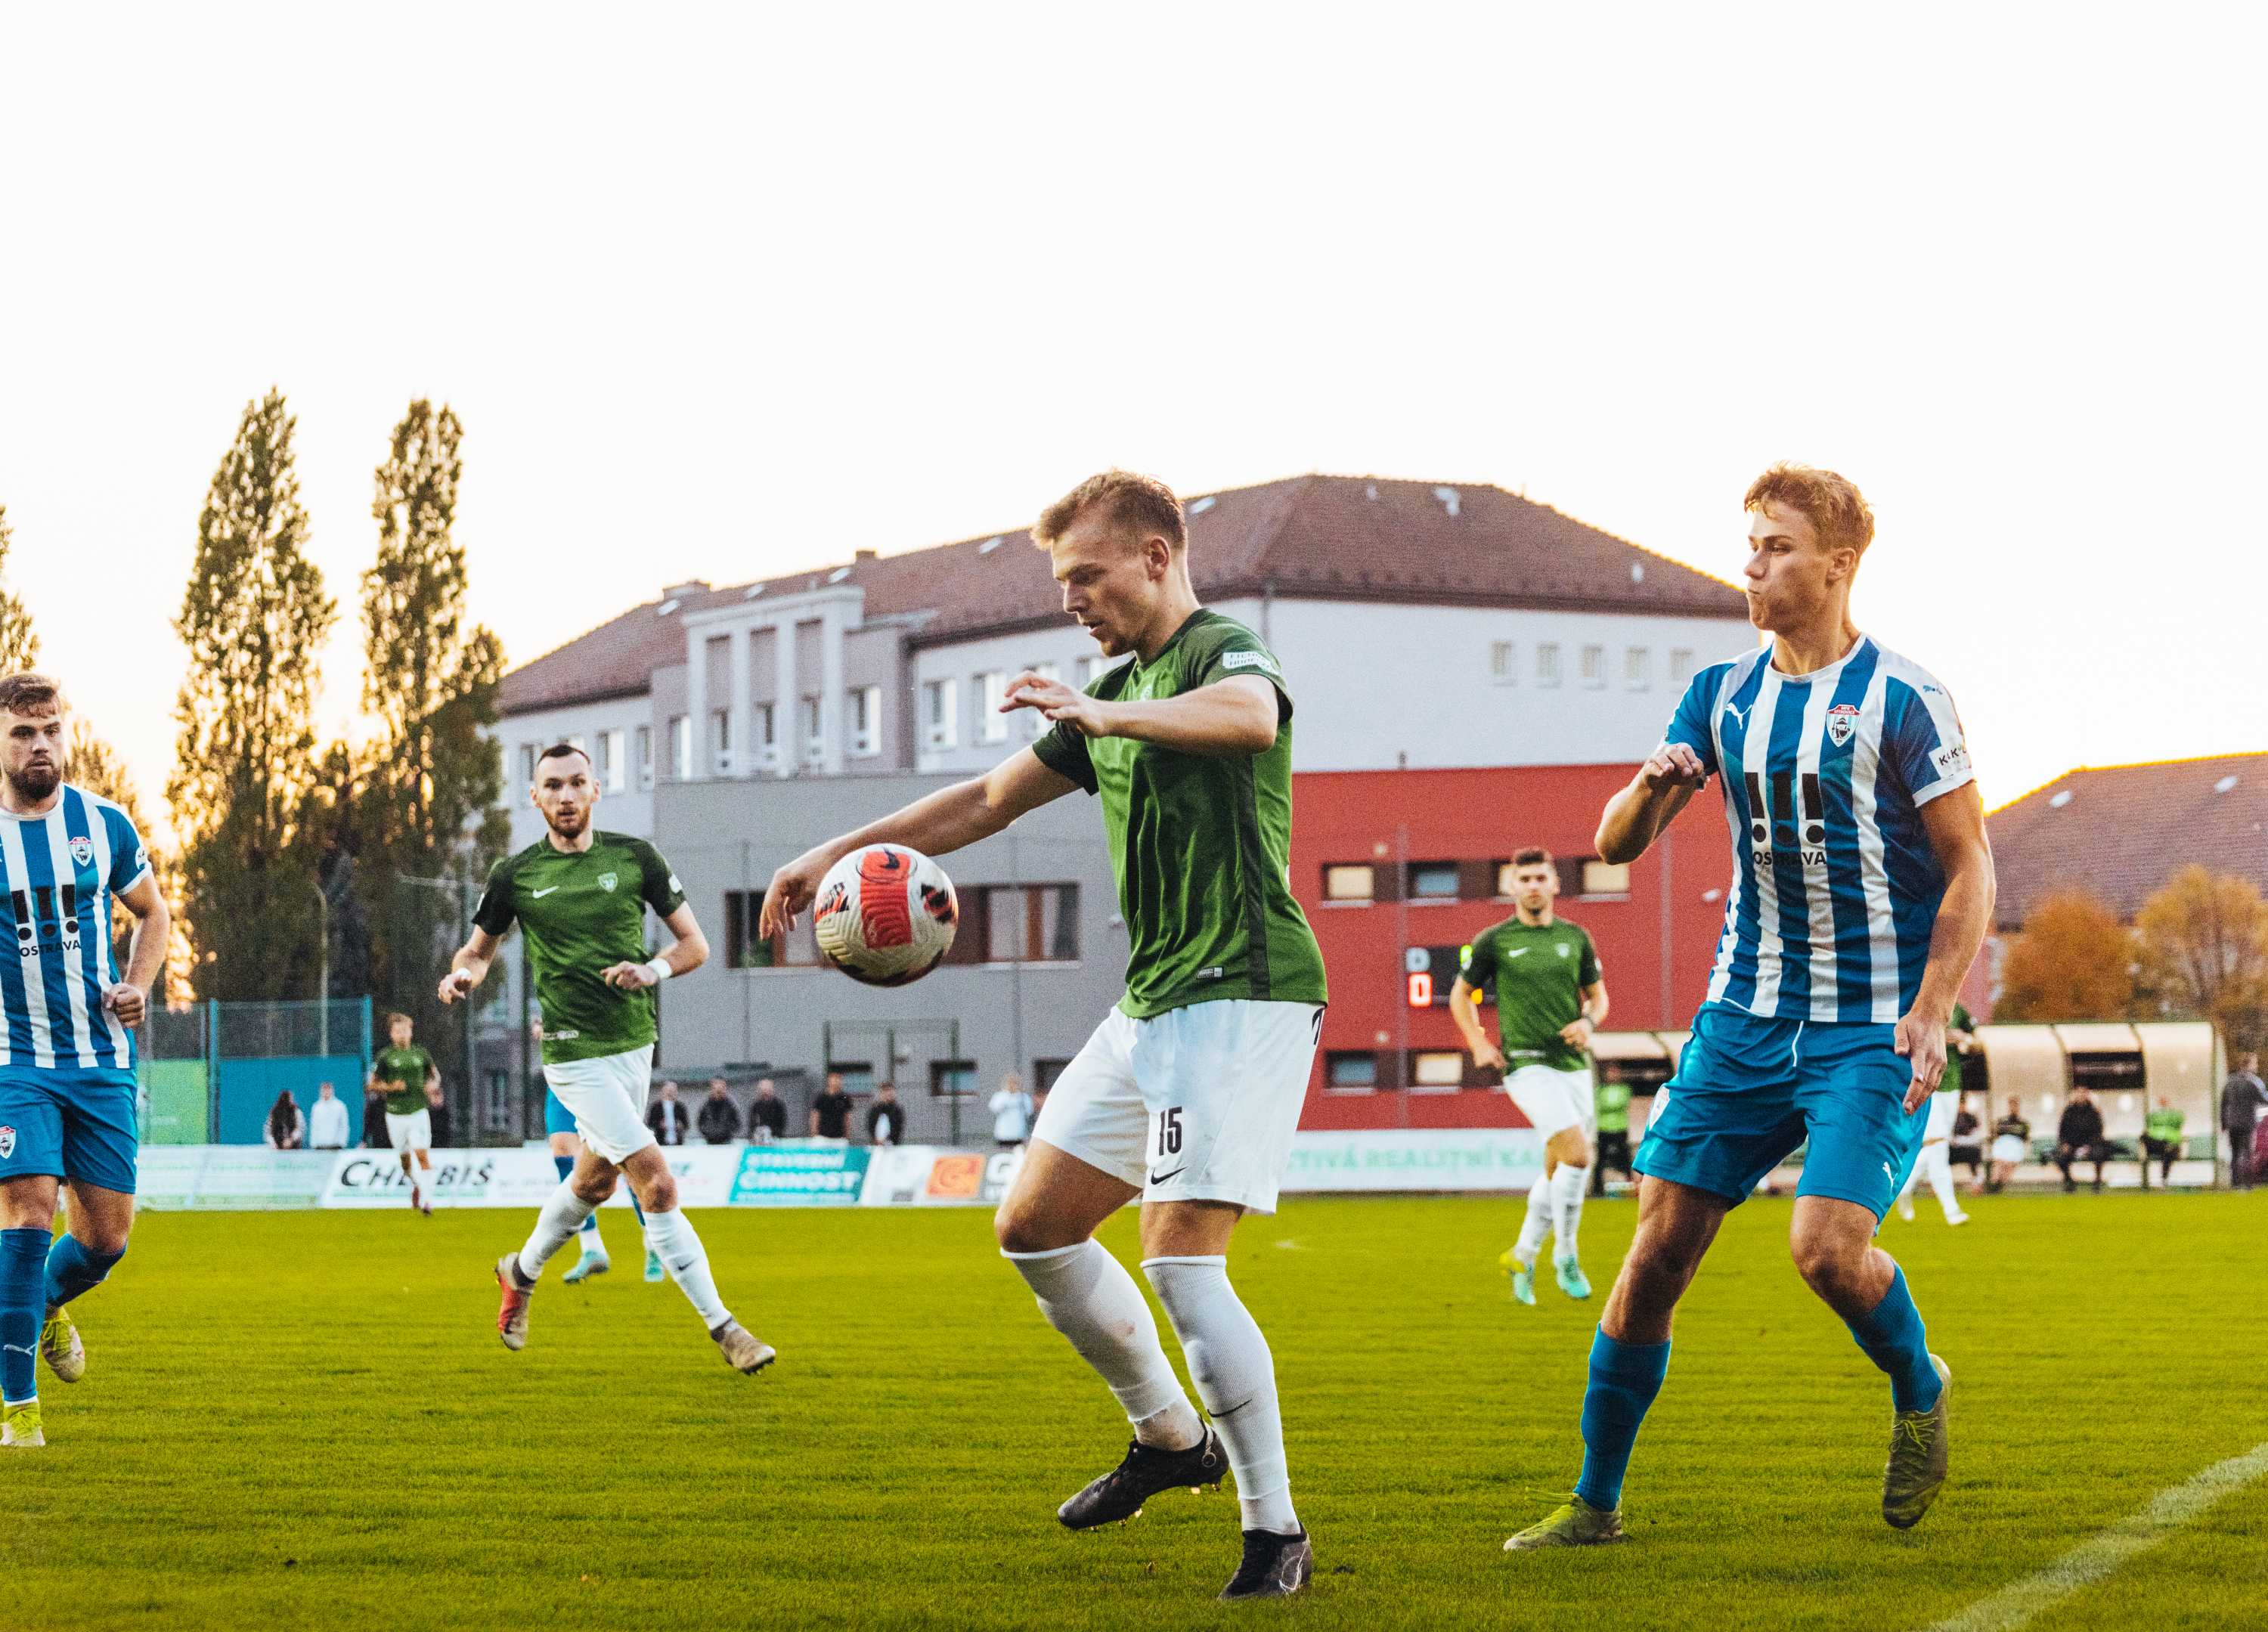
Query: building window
pixel 1092 669
pixel 866 721
pixel 1044 1073
pixel 745 949
pixel 644 758
pixel 1437 1070
pixel 992 691
pixel 1019 923
pixel 612 768
pixel 720 742
pixel 814 734
pixel 1547 663
pixel 1595 665
pixel 1501 656
pixel 528 752
pixel 1681 664
pixel 858 1076
pixel 940 712
pixel 1605 878
pixel 1638 668
pixel 1349 881
pixel 680 747
pixel 1352 1072
pixel 1432 881
pixel 764 735
pixel 951 1080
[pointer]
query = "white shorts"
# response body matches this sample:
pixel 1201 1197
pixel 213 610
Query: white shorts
pixel 413 1132
pixel 1194 1104
pixel 607 1097
pixel 1553 1100
pixel 2009 1148
pixel 1943 1108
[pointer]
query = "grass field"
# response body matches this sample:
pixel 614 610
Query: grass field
pixel 306 1419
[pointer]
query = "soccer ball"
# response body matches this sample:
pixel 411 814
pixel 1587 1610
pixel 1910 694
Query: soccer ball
pixel 885 914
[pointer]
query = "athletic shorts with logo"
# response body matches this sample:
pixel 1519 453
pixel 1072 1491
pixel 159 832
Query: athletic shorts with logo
pixel 607 1097
pixel 1553 1100
pixel 1749 1090
pixel 412 1132
pixel 1197 1104
pixel 74 1123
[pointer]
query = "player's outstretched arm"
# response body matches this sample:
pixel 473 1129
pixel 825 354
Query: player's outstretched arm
pixel 682 956
pixel 936 825
pixel 471 966
pixel 1233 715
pixel 1956 824
pixel 153 921
pixel 1467 1014
pixel 1635 817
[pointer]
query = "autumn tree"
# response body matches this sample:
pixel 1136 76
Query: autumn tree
pixel 2074 961
pixel 20 646
pixel 2203 944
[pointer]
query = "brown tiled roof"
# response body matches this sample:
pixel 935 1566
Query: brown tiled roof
pixel 2121 831
pixel 1327 537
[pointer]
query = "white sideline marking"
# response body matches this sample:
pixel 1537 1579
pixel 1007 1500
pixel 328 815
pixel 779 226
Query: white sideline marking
pixel 2091 1560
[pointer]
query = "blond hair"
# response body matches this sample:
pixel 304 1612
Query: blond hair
pixel 1138 504
pixel 1833 505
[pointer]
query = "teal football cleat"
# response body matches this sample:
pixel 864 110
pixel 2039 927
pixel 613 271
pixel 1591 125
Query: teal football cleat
pixel 1578 1524
pixel 1572 1279
pixel 1523 1284
pixel 585 1267
pixel 653 1270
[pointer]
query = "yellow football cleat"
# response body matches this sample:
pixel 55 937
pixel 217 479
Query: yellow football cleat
pixel 20 1426
pixel 59 1342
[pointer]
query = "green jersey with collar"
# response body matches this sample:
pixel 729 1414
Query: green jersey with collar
pixel 1540 972
pixel 403 1072
pixel 583 911
pixel 1200 842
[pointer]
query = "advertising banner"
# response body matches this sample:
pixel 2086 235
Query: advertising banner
pixel 822 1175
pixel 1415 1158
pixel 921 1175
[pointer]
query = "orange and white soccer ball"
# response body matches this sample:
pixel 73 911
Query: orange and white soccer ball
pixel 885 914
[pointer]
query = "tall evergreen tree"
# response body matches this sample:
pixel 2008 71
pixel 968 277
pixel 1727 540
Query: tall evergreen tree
pixel 253 617
pixel 20 646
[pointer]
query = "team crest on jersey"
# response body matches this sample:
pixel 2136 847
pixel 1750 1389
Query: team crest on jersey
pixel 82 850
pixel 607 882
pixel 7 1142
pixel 1842 722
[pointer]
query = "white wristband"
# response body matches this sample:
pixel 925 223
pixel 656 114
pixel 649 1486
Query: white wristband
pixel 658 967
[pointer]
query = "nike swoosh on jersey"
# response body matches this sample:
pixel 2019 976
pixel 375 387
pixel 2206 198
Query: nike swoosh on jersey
pixel 537 895
pixel 1519 951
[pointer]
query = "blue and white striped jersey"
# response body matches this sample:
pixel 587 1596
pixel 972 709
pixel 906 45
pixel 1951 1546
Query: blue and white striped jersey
pixel 57 874
pixel 1835 885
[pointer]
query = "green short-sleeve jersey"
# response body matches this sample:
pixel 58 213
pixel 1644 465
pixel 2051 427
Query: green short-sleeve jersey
pixel 1200 843
pixel 1958 1021
pixel 2164 1125
pixel 403 1071
pixel 1612 1102
pixel 1539 972
pixel 583 911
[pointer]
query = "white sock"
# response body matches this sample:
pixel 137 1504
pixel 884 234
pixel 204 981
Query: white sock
pixel 1537 1225
pixel 425 1180
pixel 1235 1376
pixel 594 1244
pixel 562 1215
pixel 1088 1297
pixel 1912 1179
pixel 671 1234
pixel 1938 1159
pixel 1569 1186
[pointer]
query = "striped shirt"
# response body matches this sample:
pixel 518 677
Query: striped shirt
pixel 1835 884
pixel 57 874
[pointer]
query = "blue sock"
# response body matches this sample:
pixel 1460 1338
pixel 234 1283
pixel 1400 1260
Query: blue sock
pixel 73 1268
pixel 23 1293
pixel 566 1166
pixel 1893 1339
pixel 1625 1380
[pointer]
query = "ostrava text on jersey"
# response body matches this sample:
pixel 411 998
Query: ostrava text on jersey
pixel 583 911
pixel 57 874
pixel 1836 885
pixel 1200 842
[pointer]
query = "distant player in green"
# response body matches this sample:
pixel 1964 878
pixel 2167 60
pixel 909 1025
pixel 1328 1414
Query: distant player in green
pixel 2161 1141
pixel 1549 998
pixel 580 896
pixel 1188 1093
pixel 403 1071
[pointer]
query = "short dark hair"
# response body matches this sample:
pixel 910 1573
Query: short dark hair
pixel 29 692
pixel 396 1015
pixel 1138 504
pixel 560 751
pixel 1533 855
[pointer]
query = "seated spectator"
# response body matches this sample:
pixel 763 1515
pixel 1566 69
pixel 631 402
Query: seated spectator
pixel 2078 1138
pixel 1966 1148
pixel 885 1118
pixel 328 1125
pixel 2161 1141
pixel 719 1121
pixel 2012 1144
pixel 767 1114
pixel 668 1118
pixel 287 1127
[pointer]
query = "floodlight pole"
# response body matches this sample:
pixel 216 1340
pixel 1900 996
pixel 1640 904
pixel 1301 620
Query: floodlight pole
pixel 323 990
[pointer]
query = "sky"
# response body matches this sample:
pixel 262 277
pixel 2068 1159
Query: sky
pixel 721 293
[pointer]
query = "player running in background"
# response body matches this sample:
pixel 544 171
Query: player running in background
pixel 1549 998
pixel 580 896
pixel 566 1150
pixel 67 1082
pixel 1862 887
pixel 1188 1093
pixel 1935 1162
pixel 406 1070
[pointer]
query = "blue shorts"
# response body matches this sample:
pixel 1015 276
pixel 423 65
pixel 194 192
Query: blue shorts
pixel 557 1118
pixel 78 1124
pixel 1749 1091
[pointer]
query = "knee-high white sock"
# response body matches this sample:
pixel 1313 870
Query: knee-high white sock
pixel 1235 1376
pixel 554 1226
pixel 1088 1297
pixel 1569 1186
pixel 1938 1159
pixel 1537 1225
pixel 672 1235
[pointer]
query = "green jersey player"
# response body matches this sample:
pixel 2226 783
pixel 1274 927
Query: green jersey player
pixel 580 897
pixel 1188 1093
pixel 1549 998
pixel 403 1071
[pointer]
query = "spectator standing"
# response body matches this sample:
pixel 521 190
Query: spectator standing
pixel 2161 1141
pixel 668 1118
pixel 2243 1100
pixel 830 1111
pixel 437 1113
pixel 2078 1138
pixel 885 1118
pixel 1967 1145
pixel 719 1121
pixel 287 1127
pixel 2012 1143
pixel 769 1112
pixel 1012 1113
pixel 328 1126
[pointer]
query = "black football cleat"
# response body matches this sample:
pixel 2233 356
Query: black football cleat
pixel 1274 1566
pixel 1119 1494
